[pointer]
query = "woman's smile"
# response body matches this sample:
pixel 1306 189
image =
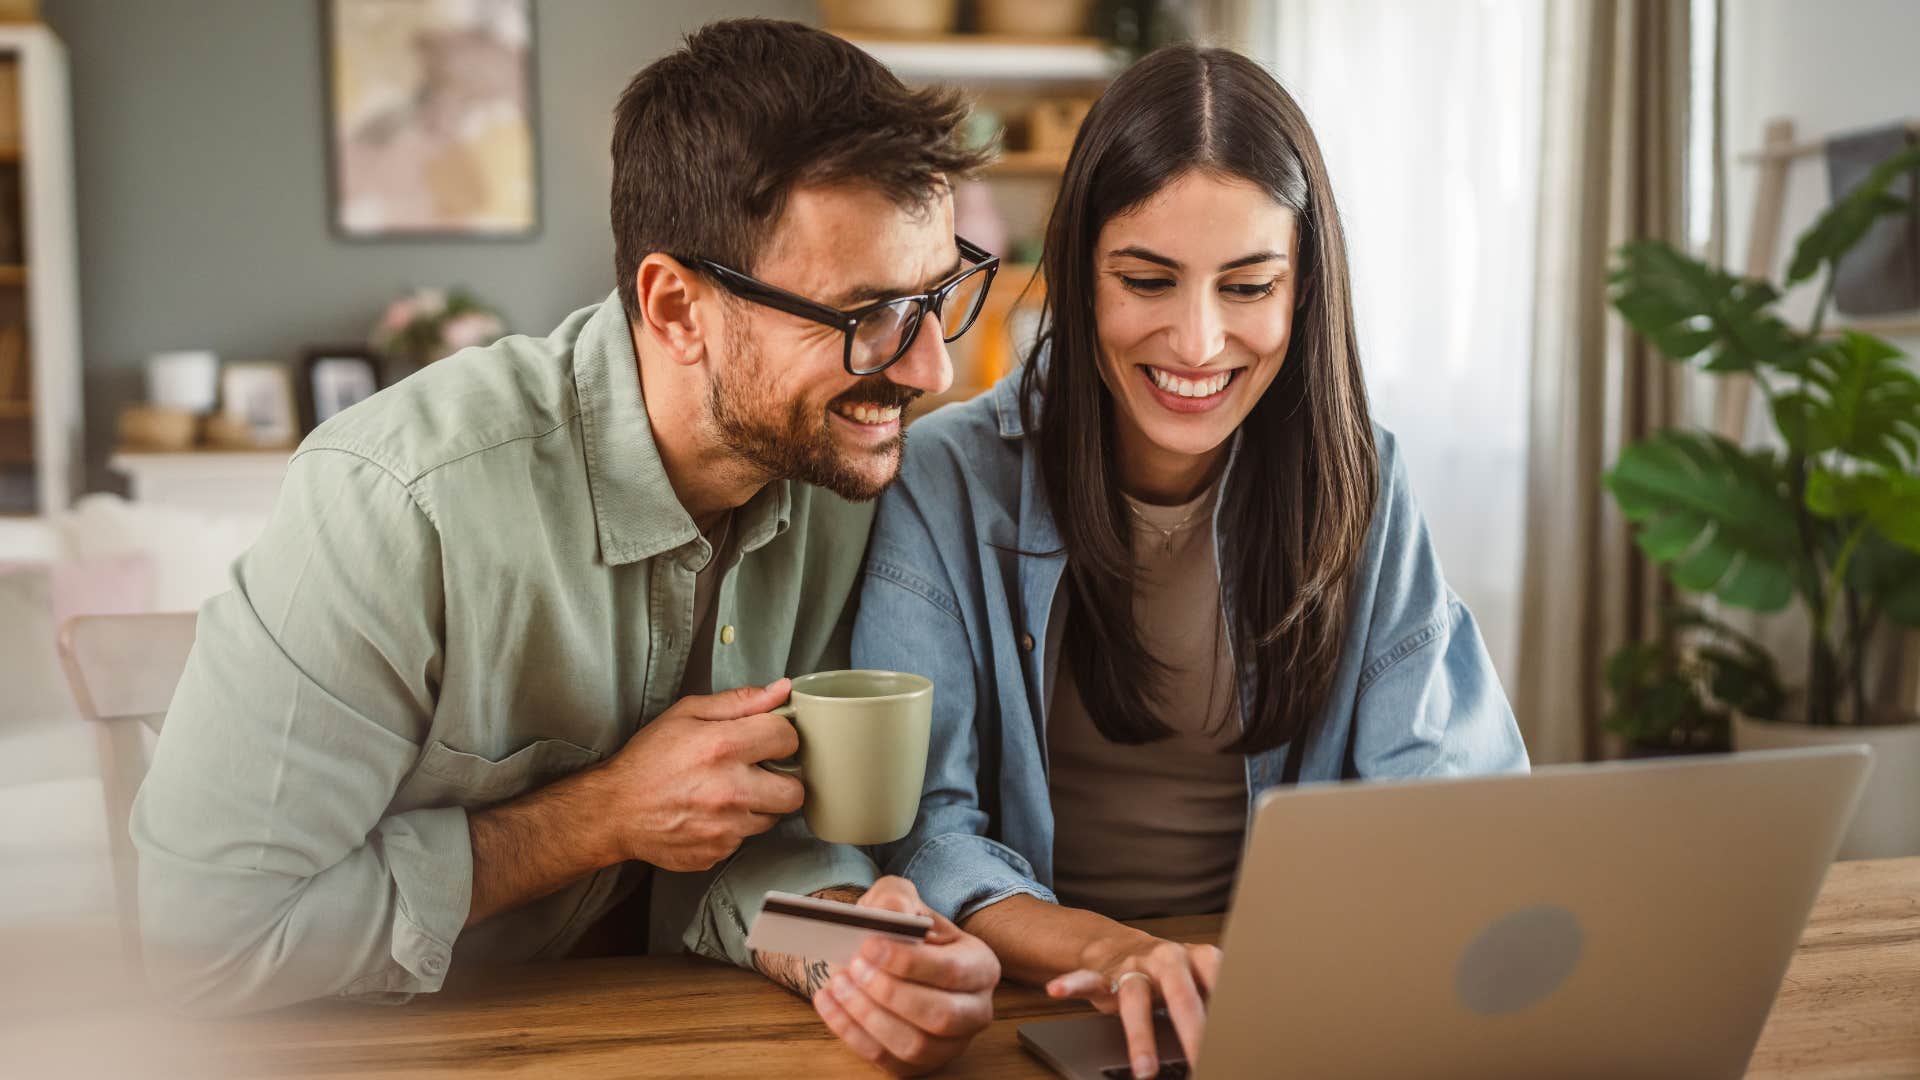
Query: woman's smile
pixel 1189 393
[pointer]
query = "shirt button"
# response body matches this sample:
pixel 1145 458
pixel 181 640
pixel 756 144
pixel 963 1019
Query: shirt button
pixel 1026 642
pixel 434 964
pixel 726 635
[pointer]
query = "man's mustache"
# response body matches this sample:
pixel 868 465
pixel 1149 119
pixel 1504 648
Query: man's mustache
pixel 878 392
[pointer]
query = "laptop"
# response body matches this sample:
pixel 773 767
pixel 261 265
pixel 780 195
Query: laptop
pixel 1620 919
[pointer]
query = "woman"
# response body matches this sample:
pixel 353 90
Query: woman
pixel 1169 564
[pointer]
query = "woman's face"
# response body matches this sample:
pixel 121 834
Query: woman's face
pixel 1193 305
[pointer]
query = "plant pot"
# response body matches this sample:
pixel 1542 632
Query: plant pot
pixel 1639 751
pixel 1033 18
pixel 1887 822
pixel 891 16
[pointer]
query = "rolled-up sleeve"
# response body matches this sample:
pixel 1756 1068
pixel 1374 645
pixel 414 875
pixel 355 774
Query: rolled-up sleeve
pixel 726 900
pixel 270 870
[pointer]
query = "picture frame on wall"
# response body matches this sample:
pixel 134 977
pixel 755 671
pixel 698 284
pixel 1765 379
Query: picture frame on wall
pixel 257 405
pixel 430 119
pixel 334 379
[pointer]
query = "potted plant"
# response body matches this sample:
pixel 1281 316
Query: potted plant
pixel 1825 515
pixel 428 324
pixel 1679 693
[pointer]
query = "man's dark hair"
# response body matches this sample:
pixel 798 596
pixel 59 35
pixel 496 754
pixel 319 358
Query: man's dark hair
pixel 709 140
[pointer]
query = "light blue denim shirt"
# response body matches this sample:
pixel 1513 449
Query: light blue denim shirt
pixel 950 594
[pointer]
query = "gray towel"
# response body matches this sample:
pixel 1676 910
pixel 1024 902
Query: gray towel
pixel 1881 275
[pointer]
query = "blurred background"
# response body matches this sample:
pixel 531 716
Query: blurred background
pixel 222 221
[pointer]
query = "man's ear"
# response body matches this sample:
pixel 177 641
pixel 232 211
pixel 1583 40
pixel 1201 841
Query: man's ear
pixel 670 309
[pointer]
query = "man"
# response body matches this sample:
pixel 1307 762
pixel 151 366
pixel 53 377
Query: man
pixel 458 707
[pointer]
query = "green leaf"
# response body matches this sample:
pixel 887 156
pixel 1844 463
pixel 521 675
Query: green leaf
pixel 1743 680
pixel 1836 495
pixel 1896 514
pixel 1653 702
pixel 1889 575
pixel 1849 218
pixel 1889 501
pixel 1685 308
pixel 1858 397
pixel 1719 519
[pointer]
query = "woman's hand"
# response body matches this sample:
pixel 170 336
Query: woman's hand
pixel 1127 975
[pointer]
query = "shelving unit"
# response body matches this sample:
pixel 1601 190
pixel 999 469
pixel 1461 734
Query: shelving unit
pixel 1028 163
pixel 986 58
pixel 1008 76
pixel 40 414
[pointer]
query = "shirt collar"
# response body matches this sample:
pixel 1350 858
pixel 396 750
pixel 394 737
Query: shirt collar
pixel 1006 394
pixel 634 507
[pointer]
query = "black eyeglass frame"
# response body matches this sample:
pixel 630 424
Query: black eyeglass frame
pixel 752 289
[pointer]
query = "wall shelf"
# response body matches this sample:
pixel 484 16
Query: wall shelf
pixel 985 57
pixel 212 481
pixel 1028 163
pixel 1886 326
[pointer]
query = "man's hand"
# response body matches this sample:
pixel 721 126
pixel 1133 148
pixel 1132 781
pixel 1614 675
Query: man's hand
pixel 682 795
pixel 911 1008
pixel 688 788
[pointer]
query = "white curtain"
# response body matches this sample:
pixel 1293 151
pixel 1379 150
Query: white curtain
pixel 1429 116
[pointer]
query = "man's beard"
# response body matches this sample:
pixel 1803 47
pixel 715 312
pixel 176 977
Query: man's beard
pixel 794 440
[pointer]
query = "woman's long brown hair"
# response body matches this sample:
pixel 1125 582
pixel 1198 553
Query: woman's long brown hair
pixel 1299 499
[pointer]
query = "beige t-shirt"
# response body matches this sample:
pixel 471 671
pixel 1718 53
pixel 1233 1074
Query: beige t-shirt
pixel 1157 828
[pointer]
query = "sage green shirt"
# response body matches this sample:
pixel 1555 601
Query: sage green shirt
pixel 474 583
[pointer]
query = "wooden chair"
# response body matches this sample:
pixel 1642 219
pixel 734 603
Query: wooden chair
pixel 122 670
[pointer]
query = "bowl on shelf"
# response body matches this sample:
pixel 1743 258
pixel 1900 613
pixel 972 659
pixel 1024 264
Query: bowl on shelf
pixel 891 16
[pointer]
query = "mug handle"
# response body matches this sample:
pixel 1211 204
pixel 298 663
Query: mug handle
pixel 788 765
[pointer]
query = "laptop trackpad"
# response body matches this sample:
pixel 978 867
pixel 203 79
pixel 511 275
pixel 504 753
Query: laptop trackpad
pixel 1086 1047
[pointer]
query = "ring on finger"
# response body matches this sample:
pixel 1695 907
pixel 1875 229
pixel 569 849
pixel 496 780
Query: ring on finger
pixel 1120 980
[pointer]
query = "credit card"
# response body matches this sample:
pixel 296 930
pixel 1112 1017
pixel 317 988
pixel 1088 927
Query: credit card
pixel 828 929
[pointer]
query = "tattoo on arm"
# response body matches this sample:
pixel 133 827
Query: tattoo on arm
pixel 797 973
pixel 816 977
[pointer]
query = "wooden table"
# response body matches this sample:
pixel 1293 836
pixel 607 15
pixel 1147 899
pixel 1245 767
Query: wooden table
pixel 1850 1006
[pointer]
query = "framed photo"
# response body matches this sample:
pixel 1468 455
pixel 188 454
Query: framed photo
pixel 333 379
pixel 258 399
pixel 430 108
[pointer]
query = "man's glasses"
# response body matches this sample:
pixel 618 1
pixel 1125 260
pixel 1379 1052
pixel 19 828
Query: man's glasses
pixel 879 333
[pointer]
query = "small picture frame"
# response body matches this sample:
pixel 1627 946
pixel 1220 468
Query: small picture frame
pixel 257 398
pixel 333 379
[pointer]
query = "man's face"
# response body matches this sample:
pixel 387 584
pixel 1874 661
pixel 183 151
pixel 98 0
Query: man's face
pixel 780 396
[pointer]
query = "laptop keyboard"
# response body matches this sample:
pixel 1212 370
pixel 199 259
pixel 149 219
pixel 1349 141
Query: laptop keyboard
pixel 1169 1070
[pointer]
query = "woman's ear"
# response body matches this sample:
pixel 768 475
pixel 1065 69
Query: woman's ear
pixel 670 312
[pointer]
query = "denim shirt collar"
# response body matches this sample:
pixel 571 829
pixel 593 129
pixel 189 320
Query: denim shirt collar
pixel 1043 563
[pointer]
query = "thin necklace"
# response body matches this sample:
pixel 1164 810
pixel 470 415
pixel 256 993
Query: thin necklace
pixel 1167 534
